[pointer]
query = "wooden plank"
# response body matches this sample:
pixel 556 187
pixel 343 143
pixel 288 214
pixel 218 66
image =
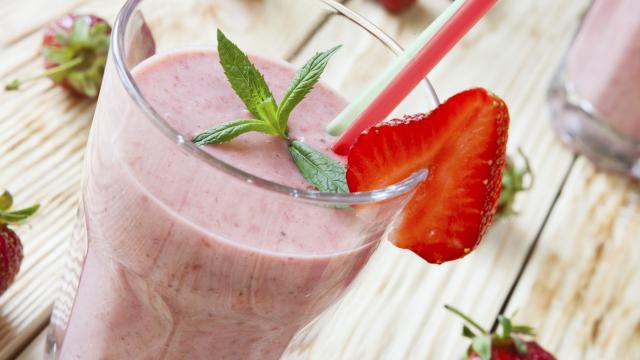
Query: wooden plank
pixel 35 351
pixel 395 310
pixel 582 287
pixel 20 18
pixel 54 134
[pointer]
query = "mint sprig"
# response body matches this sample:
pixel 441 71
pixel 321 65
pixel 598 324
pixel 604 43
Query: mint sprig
pixel 318 169
pixel 246 80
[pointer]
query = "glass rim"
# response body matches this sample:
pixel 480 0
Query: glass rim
pixel 356 198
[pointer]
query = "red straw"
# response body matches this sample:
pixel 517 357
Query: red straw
pixel 417 69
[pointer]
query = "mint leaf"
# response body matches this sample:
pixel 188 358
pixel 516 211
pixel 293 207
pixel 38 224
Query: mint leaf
pixel 303 82
pixel 6 200
pixel 321 171
pixel 268 112
pixel 243 76
pixel 482 346
pixel 17 216
pixel 231 130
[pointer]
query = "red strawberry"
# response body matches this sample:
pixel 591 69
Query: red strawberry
pixel 75 49
pixel 501 350
pixel 397 6
pixel 10 257
pixel 506 344
pixel 462 143
pixel 10 245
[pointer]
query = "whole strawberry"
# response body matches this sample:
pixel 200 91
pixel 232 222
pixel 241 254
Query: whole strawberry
pixel 10 245
pixel 397 6
pixel 75 49
pixel 506 344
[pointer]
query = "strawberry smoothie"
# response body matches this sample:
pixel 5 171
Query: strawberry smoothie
pixel 604 63
pixel 185 261
pixel 594 96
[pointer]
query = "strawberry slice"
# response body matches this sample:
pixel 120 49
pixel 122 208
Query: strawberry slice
pixel 463 144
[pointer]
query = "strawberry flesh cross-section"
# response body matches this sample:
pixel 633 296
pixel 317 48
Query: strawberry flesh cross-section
pixel 463 145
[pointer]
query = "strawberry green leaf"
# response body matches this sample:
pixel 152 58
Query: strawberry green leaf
pixel 231 130
pixel 505 324
pixel 17 216
pixel 520 345
pixel 321 171
pixel 99 35
pixel 303 82
pixel 81 32
pixel 466 318
pixel 13 85
pixel 6 200
pixel 61 37
pixel 523 329
pixel 245 79
pixel 87 82
pixel 482 346
pixel 468 333
pixel 58 55
pixel 513 183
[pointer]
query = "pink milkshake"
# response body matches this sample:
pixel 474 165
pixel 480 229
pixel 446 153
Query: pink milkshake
pixel 185 260
pixel 595 97
pixel 604 63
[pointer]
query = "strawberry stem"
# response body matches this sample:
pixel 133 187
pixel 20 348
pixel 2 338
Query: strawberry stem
pixel 467 319
pixel 513 183
pixel 15 84
pixel 526 171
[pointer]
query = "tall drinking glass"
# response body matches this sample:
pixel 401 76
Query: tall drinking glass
pixel 595 95
pixel 183 252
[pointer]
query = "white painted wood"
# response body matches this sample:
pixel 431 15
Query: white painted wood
pixel 582 287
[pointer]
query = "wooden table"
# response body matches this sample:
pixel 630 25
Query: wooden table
pixel 570 261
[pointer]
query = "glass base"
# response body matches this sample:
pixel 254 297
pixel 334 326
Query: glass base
pixel 50 344
pixel 579 126
pixel 69 283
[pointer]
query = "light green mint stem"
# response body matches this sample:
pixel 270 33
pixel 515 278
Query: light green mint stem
pixel 355 108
